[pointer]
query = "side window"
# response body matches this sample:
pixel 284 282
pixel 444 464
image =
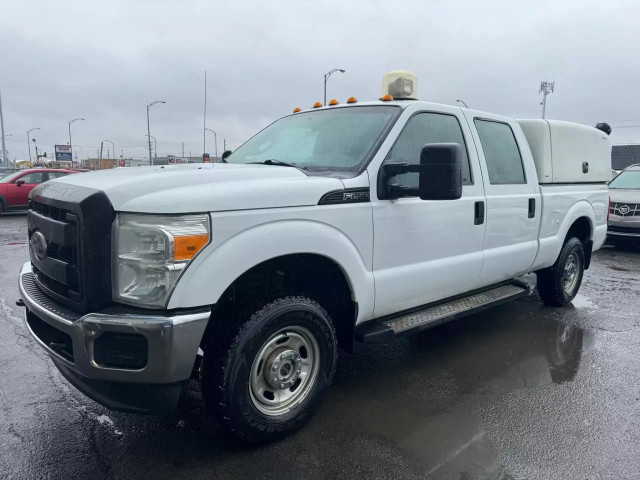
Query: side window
pixel 501 153
pixel 53 175
pixel 420 130
pixel 33 177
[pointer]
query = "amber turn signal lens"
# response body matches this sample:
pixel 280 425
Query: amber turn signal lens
pixel 317 105
pixel 333 101
pixel 387 98
pixel 297 109
pixel 352 100
pixel 185 248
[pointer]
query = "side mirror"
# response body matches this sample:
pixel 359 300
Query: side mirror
pixel 225 155
pixel 19 183
pixel 439 174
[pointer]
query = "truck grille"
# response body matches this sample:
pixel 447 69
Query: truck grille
pixel 70 244
pixel 630 209
pixel 616 229
pixel 59 270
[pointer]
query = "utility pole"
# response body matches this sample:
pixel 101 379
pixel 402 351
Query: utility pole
pixel 4 149
pixel 224 144
pixel 545 89
pixel 182 149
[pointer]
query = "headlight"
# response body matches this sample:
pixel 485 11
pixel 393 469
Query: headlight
pixel 151 251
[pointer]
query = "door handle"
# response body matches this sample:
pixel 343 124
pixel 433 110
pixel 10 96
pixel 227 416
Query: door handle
pixel 478 213
pixel 532 207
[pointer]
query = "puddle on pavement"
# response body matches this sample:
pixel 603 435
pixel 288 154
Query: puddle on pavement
pixel 580 301
pixel 424 400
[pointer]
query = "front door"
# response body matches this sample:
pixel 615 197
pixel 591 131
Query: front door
pixel 425 251
pixel 18 190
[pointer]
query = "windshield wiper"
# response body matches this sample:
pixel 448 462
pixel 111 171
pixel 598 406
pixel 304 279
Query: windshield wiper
pixel 279 163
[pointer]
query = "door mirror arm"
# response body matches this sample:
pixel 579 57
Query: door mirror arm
pixel 19 183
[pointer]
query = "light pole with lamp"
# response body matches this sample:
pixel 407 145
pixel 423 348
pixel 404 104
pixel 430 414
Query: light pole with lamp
pixel 29 141
pixel 149 129
pixel 215 141
pixel 4 152
pixel 70 144
pixel 326 77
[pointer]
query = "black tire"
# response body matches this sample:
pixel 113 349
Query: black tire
pixel 551 285
pixel 228 364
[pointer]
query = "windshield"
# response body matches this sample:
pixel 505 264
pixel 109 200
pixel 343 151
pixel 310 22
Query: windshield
pixel 629 179
pixel 333 139
pixel 10 177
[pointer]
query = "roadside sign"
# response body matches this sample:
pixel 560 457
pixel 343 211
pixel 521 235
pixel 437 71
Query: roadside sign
pixel 63 153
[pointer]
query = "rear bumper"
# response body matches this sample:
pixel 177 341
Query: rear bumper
pixel 164 349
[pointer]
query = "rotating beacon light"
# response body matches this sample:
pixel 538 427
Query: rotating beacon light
pixel 401 85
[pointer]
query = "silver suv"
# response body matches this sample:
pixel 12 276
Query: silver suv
pixel 624 219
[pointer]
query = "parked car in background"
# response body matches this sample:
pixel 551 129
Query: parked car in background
pixel 624 211
pixel 15 187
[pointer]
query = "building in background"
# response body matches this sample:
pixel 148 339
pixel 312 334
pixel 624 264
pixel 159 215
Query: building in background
pixel 624 155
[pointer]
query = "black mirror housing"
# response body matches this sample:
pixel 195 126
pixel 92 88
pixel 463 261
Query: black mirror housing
pixel 225 155
pixel 440 176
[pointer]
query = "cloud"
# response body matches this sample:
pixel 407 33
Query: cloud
pixel 61 60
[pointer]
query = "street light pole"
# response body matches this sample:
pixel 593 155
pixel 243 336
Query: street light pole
pixel 463 103
pixel 4 149
pixel 215 140
pixel 326 77
pixel 545 88
pixel 70 144
pixel 149 128
pixel 113 147
pixel 29 141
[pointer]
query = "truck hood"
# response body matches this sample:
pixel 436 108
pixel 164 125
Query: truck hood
pixel 204 187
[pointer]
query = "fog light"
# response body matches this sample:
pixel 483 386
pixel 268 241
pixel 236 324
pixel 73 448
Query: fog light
pixel 121 350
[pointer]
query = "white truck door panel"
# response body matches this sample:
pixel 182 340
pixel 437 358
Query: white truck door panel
pixel 510 182
pixel 427 250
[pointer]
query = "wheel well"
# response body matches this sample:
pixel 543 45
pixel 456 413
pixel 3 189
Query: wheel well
pixel 581 229
pixel 311 275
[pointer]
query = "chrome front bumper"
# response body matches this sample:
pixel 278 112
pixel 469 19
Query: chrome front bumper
pixel 172 344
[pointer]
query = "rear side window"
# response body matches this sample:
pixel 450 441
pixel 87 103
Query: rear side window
pixel 420 130
pixel 53 175
pixel 501 153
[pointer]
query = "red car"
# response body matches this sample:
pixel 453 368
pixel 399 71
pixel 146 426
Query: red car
pixel 15 187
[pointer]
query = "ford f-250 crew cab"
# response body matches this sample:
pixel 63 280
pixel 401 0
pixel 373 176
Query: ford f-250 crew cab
pixel 358 222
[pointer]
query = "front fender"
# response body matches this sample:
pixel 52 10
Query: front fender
pixel 218 266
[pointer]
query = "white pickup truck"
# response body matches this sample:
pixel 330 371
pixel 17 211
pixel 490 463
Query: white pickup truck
pixel 358 222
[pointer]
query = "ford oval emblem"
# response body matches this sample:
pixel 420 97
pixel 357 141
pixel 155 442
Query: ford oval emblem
pixel 38 244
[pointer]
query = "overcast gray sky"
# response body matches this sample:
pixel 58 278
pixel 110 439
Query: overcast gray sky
pixel 104 62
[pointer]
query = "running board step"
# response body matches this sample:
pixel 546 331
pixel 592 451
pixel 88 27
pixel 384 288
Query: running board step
pixel 387 329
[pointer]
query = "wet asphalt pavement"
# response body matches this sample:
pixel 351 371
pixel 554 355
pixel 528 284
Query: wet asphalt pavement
pixel 521 391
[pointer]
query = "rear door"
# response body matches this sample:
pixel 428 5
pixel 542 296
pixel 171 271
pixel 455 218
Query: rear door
pixel 513 197
pixel 427 250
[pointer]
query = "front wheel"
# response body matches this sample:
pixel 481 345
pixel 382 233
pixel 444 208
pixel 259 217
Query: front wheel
pixel 265 377
pixel 559 284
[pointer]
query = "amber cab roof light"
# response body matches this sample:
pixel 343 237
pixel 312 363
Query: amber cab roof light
pixel 352 100
pixel 333 101
pixel 297 109
pixel 317 105
pixel 386 98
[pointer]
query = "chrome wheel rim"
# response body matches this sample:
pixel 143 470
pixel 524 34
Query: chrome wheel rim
pixel 570 274
pixel 284 371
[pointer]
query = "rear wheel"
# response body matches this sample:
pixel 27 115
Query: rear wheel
pixel 266 376
pixel 559 284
